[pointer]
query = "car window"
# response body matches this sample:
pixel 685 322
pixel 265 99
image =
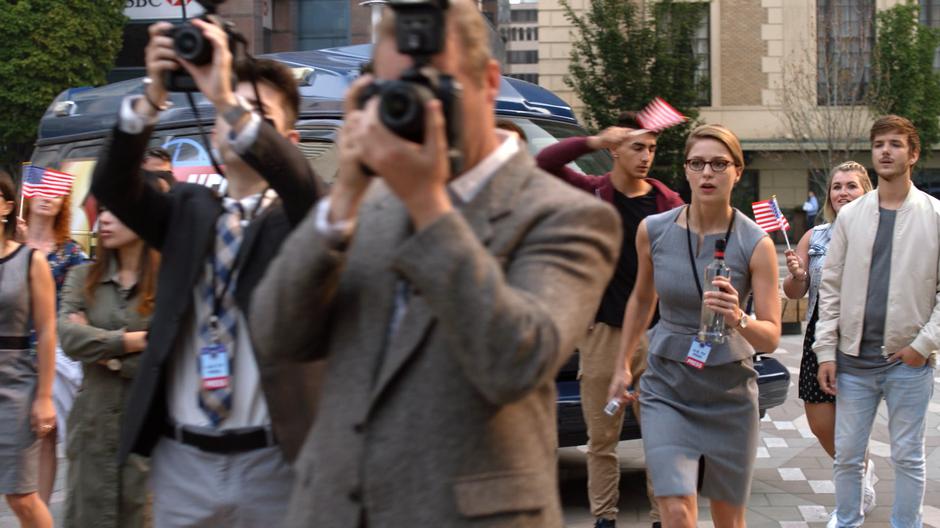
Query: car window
pixel 542 133
pixel 191 161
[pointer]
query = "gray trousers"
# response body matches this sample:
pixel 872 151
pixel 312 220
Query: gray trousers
pixel 194 488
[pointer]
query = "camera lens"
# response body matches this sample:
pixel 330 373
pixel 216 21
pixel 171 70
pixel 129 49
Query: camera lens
pixel 186 44
pixel 398 106
pixel 191 45
pixel 402 109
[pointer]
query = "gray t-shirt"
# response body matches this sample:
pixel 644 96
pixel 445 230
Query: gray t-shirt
pixel 870 358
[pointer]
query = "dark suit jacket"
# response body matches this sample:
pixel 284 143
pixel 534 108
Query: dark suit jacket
pixel 451 420
pixel 181 225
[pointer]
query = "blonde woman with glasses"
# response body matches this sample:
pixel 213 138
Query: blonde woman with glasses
pixel 700 415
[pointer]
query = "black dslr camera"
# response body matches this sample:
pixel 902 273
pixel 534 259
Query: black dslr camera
pixel 419 32
pixel 190 44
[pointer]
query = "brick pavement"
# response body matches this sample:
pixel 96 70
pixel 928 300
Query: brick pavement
pixel 792 482
pixel 792 485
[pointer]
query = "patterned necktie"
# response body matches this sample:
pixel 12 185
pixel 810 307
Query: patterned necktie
pixel 219 296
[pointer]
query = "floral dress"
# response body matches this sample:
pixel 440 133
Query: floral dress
pixel 68 372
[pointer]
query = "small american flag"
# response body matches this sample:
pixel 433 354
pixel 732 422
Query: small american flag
pixel 768 216
pixel 659 115
pixel 48 183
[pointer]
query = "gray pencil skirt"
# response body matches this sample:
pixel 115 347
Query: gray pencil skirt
pixel 709 414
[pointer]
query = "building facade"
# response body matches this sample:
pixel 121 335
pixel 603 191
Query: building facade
pixel 268 26
pixel 777 70
pixel 521 35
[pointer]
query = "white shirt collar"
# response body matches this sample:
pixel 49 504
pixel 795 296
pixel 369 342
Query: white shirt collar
pixel 467 185
pixel 248 204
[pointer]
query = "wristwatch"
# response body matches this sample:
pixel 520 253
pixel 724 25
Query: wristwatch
pixel 744 320
pixel 113 364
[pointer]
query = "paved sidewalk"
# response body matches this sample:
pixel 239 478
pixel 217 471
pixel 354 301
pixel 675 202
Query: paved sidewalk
pixel 792 483
pixel 792 486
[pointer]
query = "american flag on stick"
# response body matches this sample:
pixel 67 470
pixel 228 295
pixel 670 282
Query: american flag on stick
pixel 48 183
pixel 768 216
pixel 659 115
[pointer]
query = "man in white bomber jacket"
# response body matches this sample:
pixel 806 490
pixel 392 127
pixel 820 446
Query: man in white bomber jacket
pixel 879 324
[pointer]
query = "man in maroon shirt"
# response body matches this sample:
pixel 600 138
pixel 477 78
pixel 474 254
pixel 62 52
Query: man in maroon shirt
pixel 635 196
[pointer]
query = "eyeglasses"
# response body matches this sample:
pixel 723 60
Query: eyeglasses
pixel 698 165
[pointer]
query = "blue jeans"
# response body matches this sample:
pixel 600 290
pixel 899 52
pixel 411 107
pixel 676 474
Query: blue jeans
pixel 907 392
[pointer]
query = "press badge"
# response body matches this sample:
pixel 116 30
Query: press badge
pixel 698 354
pixel 214 367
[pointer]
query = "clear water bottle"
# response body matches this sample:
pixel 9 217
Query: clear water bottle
pixel 712 328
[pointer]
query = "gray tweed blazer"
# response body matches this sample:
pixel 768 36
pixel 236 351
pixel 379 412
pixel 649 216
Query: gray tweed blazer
pixel 450 420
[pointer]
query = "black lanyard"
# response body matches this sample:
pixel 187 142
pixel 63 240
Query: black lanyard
pixel 688 237
pixel 217 298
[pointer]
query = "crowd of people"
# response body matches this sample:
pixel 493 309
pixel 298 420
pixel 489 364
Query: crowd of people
pixel 383 353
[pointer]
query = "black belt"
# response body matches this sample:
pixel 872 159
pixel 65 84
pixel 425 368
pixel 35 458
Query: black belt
pixel 14 342
pixel 227 441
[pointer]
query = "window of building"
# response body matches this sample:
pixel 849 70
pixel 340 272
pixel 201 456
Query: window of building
pixel 745 192
pixel 522 56
pixel 927 180
pixel 930 16
pixel 524 15
pixel 129 62
pixel 701 46
pixel 845 36
pixel 322 24
pixel 527 77
pixel 528 33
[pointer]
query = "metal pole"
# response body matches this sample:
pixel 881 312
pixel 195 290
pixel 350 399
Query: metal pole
pixel 376 7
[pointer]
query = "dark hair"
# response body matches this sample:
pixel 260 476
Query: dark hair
pixel 900 125
pixel 506 124
pixel 159 153
pixel 9 195
pixel 277 76
pixel 628 119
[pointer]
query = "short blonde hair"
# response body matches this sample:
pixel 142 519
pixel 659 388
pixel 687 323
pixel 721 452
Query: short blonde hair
pixel 720 134
pixel 864 180
pixel 464 18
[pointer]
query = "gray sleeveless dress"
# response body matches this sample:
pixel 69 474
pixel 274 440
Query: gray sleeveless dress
pixel 690 414
pixel 19 447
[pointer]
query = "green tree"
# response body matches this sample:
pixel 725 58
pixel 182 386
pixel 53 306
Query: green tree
pixel 47 46
pixel 622 59
pixel 904 79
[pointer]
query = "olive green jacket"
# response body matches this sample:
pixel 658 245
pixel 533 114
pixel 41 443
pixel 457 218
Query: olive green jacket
pixel 100 493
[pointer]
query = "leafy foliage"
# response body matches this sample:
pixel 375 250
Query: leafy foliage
pixel 622 59
pixel 47 46
pixel 905 82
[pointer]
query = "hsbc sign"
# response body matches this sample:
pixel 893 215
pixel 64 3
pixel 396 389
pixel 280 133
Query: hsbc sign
pixel 160 9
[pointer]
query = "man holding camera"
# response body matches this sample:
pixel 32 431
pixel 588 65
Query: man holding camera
pixel 444 302
pixel 221 423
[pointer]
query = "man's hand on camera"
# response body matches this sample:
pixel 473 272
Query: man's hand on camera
pixel 214 79
pixel 351 181
pixel 417 174
pixel 159 59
